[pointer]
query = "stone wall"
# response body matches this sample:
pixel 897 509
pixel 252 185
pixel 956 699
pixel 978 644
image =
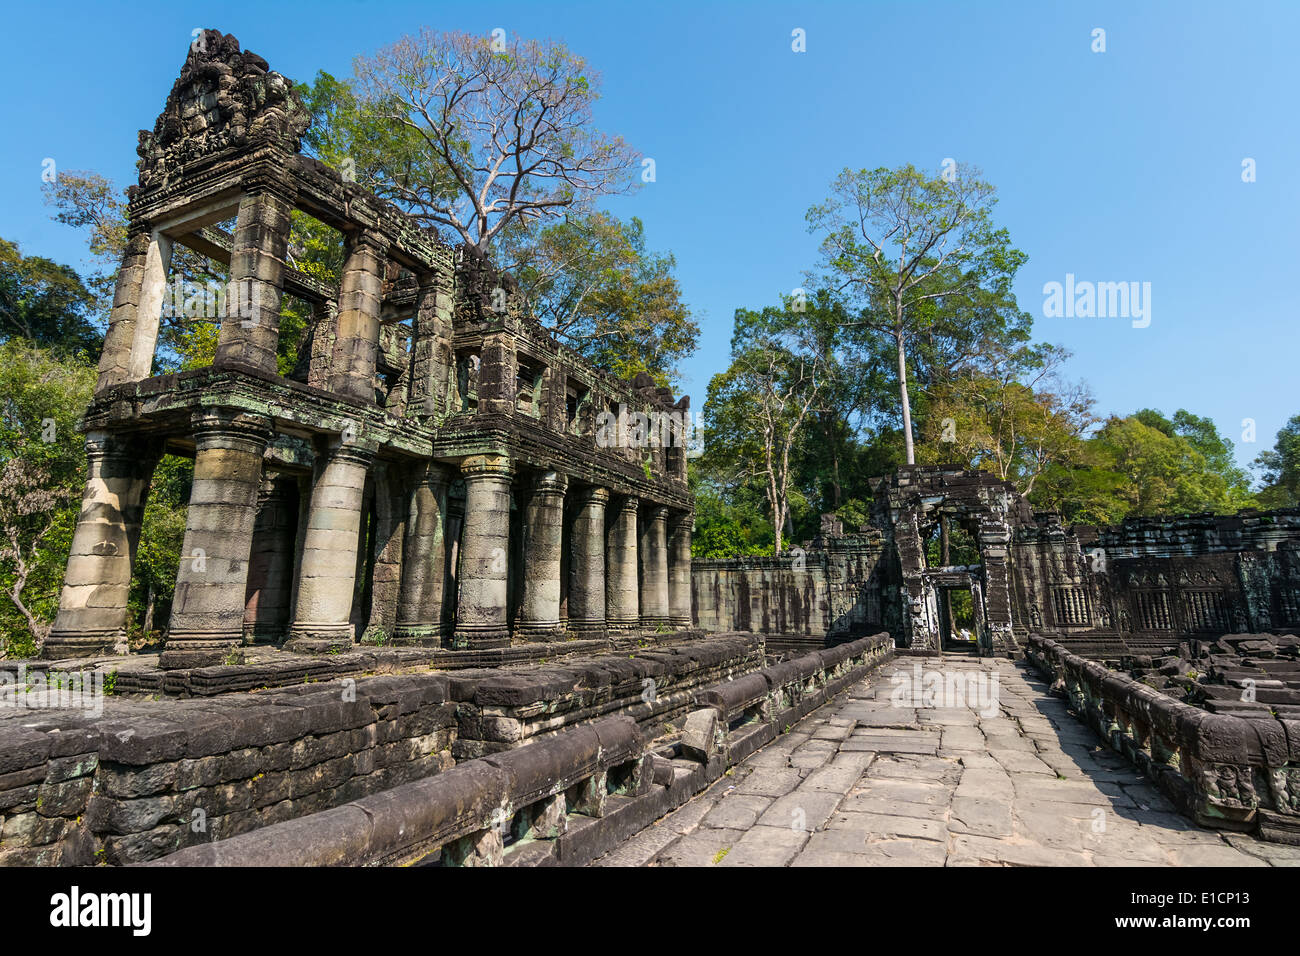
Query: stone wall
pixel 831 590
pixel 1236 773
pixel 145 778
pixel 563 799
pixel 1139 587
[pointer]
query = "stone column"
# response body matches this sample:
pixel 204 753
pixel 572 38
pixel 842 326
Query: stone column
pixel 250 329
pixel 654 567
pixel 320 359
pixel 622 601
pixel 327 573
pixel 388 536
pixel 995 543
pixel 539 609
pixel 679 570
pixel 93 602
pixel 270 567
pixel 433 362
pixel 484 555
pixel 137 310
pixel 587 564
pixel 356 342
pixel 207 622
pixel 424 559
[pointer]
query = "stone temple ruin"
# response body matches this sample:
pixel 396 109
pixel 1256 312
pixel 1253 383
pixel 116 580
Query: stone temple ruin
pixel 1148 584
pixel 430 471
pixel 427 614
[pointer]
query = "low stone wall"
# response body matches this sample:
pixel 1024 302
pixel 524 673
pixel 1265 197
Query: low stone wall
pixel 500 709
pixel 146 778
pixel 464 817
pixel 562 799
pixel 285 669
pixel 1227 772
pixel 754 710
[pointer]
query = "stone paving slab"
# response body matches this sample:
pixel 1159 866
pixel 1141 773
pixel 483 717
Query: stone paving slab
pixel 863 782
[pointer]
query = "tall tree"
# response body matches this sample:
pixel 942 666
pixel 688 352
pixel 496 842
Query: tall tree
pixel 899 241
pixel 475 134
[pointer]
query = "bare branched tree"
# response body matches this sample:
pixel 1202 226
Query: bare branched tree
pixel 496 133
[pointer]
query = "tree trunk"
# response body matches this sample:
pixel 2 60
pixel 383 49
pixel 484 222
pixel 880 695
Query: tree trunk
pixel 150 600
pixel 945 556
pixel 907 405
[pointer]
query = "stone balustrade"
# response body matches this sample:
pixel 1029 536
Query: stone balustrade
pixel 1232 773
pixel 563 798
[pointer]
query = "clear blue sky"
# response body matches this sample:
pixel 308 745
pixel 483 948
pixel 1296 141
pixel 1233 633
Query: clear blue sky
pixel 1115 166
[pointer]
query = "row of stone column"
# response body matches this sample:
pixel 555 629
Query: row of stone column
pixel 628 565
pixel 624 574
pixel 250 329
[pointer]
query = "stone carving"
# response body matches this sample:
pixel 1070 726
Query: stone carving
pixel 224 98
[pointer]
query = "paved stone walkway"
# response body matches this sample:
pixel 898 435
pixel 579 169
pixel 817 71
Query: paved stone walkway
pixel 861 782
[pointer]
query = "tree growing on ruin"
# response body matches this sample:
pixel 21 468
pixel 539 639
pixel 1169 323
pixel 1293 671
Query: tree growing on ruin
pixel 912 250
pixel 473 134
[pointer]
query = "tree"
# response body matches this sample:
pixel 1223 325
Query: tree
pixel 1281 468
pixel 474 134
pixel 728 523
pixel 46 304
pixel 757 408
pixel 89 201
pixel 593 284
pixel 162 536
pixel 1141 465
pixel 1202 434
pixel 900 242
pixel 1008 411
pixel 42 470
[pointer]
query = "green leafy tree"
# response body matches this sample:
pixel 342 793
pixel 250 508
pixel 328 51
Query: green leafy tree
pixel 42 471
pixel 1142 465
pixel 728 524
pixel 1281 468
pixel 759 408
pixel 46 304
pixel 162 535
pixel 910 249
pixel 595 286
pixel 1009 412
